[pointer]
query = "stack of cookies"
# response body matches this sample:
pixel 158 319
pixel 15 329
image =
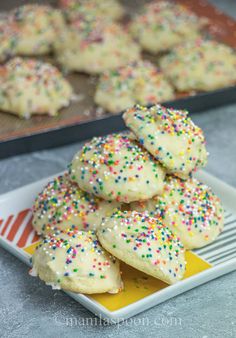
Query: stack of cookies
pixel 127 197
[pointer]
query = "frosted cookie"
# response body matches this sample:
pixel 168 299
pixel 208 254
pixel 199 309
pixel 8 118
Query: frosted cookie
pixel 139 82
pixel 114 167
pixel 8 39
pixel 162 24
pixel 144 243
pixel 106 9
pixel 38 27
pixel 200 65
pixel 92 45
pixel 75 261
pixel 190 209
pixel 170 136
pixel 30 87
pixel 62 205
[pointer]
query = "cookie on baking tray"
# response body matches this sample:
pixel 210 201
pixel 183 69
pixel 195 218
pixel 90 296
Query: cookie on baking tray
pixel 75 261
pixel 8 39
pixel 92 46
pixel 37 26
pixel 163 24
pixel 200 65
pixel 170 136
pixel 115 167
pixel 189 208
pixel 62 204
pixel 29 86
pixel 138 82
pixel 107 9
pixel 145 243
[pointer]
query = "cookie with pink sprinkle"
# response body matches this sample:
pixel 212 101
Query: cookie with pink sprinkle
pixel 8 39
pixel 38 27
pixel 138 82
pixel 189 208
pixel 170 136
pixel 115 167
pixel 161 25
pixel 106 9
pixel 75 261
pixel 62 205
pixel 145 243
pixel 30 86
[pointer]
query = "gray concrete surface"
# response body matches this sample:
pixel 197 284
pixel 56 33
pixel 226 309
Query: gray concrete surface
pixel 28 308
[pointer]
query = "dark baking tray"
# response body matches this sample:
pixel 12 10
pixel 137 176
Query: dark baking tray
pixel 81 120
pixel 101 126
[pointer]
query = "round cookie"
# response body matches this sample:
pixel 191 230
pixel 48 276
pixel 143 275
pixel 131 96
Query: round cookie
pixel 92 45
pixel 38 27
pixel 200 65
pixel 114 167
pixel 30 87
pixel 170 136
pixel 139 82
pixel 106 9
pixel 163 24
pixel 189 208
pixel 144 243
pixel 76 262
pixel 8 39
pixel 62 205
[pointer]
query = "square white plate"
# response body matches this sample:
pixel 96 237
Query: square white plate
pixel 16 234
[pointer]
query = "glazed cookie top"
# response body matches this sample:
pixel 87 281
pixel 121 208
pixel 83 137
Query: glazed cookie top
pixel 75 261
pixel 114 167
pixel 31 86
pixel 43 71
pixel 199 207
pixel 62 205
pixel 210 65
pixel 92 45
pixel 170 136
pixel 166 15
pixel 36 18
pixel 169 22
pixel 144 243
pixel 138 82
pixel 38 26
pixel 8 39
pixel 108 9
pixel 91 30
pixel 189 208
